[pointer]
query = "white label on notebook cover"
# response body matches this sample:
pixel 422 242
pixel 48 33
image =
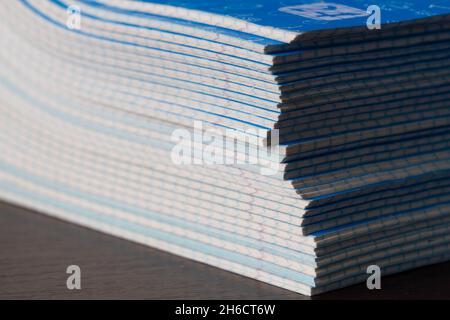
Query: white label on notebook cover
pixel 324 11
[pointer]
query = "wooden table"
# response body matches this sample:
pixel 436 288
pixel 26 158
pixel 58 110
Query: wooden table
pixel 35 251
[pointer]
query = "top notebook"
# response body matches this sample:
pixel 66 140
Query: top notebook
pixel 282 20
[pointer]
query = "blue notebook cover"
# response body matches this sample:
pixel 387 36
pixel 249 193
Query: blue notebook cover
pixel 311 15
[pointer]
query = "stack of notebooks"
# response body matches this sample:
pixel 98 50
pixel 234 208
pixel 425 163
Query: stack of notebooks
pixel 128 116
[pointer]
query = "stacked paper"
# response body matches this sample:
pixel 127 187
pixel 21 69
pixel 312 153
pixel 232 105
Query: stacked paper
pixel 127 117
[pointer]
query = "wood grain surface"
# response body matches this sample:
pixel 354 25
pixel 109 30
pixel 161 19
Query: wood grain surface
pixel 35 251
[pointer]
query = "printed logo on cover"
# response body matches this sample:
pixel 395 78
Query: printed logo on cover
pixel 324 11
